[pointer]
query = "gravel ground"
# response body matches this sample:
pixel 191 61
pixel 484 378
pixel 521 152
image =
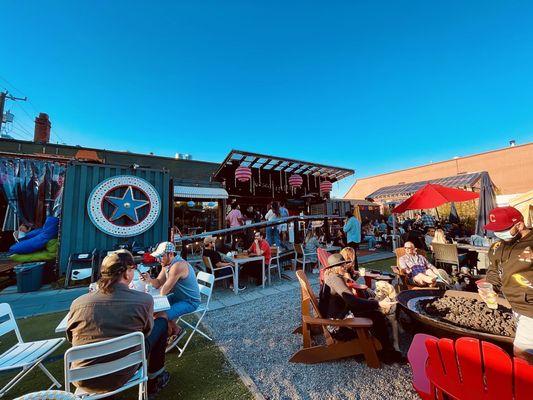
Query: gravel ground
pixel 257 337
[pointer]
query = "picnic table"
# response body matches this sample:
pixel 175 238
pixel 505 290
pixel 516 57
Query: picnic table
pixel 161 303
pixel 470 247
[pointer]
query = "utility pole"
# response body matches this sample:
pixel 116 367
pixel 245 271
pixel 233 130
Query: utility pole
pixel 3 96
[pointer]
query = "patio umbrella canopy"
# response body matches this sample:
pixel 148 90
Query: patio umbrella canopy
pixel 487 201
pixel 432 196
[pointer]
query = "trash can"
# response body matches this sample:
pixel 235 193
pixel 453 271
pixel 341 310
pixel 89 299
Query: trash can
pixel 29 276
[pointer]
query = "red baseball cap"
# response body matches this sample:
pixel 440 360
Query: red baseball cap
pixel 502 218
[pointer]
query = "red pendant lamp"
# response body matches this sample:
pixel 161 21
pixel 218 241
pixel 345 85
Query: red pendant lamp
pixel 243 174
pixel 326 186
pixel 296 181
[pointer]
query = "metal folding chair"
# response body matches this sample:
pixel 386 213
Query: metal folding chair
pixel 203 278
pixel 137 355
pixel 24 355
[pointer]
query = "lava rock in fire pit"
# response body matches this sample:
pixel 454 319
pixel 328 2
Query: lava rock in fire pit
pixel 470 314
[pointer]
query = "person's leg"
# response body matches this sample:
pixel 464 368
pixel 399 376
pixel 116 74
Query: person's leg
pixel 269 237
pixel 277 240
pixel 379 328
pixel 423 280
pixel 181 307
pixel 156 343
pixel 523 342
pixel 253 269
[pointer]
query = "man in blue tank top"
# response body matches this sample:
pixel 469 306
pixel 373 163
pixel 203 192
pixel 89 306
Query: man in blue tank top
pixel 177 281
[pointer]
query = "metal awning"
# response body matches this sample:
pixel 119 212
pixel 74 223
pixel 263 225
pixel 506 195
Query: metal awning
pixel 407 189
pixel 197 192
pixel 277 164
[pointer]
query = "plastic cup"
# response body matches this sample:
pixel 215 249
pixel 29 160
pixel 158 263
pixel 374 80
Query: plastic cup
pixel 362 271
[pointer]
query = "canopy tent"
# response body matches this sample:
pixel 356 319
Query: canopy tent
pixel 432 196
pixel 524 204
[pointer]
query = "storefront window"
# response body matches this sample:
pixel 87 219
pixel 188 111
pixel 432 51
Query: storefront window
pixel 191 216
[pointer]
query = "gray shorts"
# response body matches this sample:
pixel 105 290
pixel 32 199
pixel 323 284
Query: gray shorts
pixel 524 333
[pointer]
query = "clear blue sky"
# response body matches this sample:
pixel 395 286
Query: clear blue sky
pixel 373 85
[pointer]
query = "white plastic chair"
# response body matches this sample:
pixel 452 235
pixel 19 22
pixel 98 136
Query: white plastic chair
pixel 211 270
pixel 133 341
pixel 202 278
pixel 299 250
pixel 24 355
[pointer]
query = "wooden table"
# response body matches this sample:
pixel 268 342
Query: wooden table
pixel 236 260
pixel 331 249
pixel 161 303
pixel 479 249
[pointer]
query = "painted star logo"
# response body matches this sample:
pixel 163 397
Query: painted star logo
pixel 126 206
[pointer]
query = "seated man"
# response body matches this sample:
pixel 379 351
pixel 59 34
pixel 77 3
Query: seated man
pixel 177 281
pixel 259 247
pixel 216 260
pixel 417 267
pixel 112 311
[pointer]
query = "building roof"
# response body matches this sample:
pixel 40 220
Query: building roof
pixel 407 189
pixel 178 168
pixel 287 165
pixel 509 168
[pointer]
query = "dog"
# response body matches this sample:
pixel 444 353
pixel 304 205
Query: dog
pixel 385 291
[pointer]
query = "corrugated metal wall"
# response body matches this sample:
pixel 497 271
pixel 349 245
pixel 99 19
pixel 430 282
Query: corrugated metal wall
pixel 79 235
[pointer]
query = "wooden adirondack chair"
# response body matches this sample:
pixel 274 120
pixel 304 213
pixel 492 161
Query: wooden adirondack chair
pixel 402 278
pixel 468 369
pixel 332 349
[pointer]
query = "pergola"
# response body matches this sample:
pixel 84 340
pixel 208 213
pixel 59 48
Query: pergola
pixel 270 176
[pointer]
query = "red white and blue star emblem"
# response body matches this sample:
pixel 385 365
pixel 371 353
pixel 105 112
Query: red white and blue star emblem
pixel 124 206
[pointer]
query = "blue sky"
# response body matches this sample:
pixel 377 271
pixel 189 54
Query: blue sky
pixel 374 86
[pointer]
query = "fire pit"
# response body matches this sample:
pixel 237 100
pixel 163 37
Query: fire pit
pixel 438 316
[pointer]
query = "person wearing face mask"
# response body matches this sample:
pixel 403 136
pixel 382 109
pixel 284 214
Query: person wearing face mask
pixel 511 272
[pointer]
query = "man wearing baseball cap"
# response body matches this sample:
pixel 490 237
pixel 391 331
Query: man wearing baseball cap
pixel 177 281
pixel 511 272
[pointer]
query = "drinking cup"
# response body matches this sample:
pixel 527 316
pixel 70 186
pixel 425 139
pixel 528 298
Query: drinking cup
pixel 362 271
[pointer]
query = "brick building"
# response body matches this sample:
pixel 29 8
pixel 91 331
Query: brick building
pixel 510 168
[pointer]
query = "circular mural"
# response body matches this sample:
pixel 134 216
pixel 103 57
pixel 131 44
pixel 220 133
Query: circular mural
pixel 124 206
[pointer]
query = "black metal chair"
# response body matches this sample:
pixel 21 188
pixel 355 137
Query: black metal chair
pixel 82 266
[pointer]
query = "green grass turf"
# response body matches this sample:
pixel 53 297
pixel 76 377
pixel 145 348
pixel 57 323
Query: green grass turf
pixel 381 265
pixel 201 373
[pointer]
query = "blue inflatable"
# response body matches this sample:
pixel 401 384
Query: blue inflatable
pixel 36 240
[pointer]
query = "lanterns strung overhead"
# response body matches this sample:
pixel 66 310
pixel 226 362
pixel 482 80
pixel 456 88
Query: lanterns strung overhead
pixel 191 203
pixel 326 186
pixel 296 180
pixel 243 174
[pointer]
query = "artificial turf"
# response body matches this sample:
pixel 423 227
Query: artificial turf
pixel 201 373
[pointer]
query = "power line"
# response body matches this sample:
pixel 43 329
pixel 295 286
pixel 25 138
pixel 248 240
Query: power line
pixel 20 91
pixel 23 129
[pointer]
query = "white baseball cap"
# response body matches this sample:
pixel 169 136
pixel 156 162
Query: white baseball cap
pixel 163 248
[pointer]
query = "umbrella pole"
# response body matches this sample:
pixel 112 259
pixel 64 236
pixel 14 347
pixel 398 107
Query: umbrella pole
pixel 394 244
pixel 437 211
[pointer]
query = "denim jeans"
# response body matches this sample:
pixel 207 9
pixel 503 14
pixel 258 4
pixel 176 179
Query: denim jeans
pixel 156 343
pixel 180 307
pixel 272 236
pixel 371 241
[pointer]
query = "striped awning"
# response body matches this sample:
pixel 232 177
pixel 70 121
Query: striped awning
pixel 198 192
pixel 462 181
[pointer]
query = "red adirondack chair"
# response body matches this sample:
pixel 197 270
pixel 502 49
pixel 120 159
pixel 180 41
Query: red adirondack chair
pixel 467 369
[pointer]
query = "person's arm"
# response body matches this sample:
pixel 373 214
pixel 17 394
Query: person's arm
pixel 493 273
pixel 149 318
pixel 338 286
pixel 240 218
pixel 403 265
pixel 155 282
pixel 177 271
pixel 347 226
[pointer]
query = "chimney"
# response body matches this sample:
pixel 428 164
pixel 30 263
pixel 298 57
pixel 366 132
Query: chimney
pixel 42 129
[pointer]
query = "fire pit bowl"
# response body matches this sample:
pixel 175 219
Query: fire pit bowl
pixel 408 301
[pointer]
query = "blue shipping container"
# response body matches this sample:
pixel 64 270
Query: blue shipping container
pixel 78 234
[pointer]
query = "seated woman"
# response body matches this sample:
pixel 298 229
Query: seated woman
pixel 339 240
pixel 337 299
pixel 311 245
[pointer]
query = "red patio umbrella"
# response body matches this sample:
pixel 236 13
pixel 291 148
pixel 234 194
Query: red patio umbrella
pixel 432 196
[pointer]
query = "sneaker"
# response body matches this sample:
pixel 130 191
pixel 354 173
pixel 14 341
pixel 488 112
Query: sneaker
pixel 173 340
pixel 241 287
pixel 157 384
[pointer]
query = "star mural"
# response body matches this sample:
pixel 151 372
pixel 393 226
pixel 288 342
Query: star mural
pixel 126 206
